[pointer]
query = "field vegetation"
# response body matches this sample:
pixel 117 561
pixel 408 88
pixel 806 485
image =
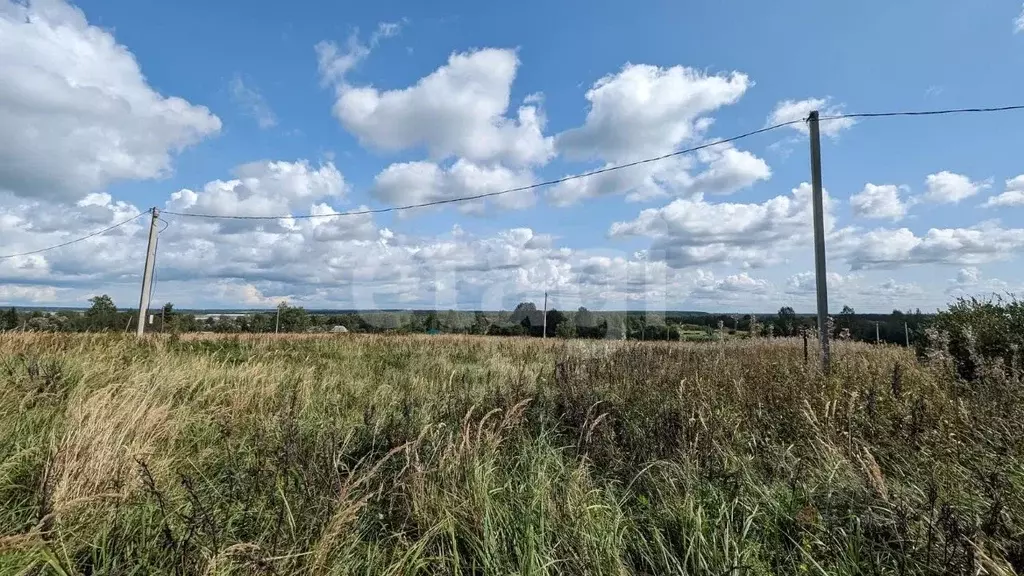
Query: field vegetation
pixel 375 454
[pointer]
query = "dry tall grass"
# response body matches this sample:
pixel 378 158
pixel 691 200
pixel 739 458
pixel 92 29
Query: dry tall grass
pixel 453 455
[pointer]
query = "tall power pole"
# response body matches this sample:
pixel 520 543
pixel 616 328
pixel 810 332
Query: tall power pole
pixel 819 239
pixel 147 274
pixel 545 334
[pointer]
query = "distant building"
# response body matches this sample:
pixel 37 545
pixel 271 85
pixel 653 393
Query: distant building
pixel 339 330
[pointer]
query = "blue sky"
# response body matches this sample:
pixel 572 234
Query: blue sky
pixel 259 109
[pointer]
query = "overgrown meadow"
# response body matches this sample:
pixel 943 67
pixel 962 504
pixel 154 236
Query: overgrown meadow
pixel 355 454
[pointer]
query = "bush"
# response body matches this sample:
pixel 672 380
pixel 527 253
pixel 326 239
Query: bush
pixel 980 331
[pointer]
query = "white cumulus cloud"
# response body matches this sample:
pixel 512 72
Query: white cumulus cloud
pixel 1012 196
pixel 413 183
pixel 880 202
pixel 950 188
pixel 693 232
pixel 645 110
pixel 76 111
pixel 888 248
pixel 459 110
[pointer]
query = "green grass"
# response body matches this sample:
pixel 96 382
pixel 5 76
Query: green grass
pixel 463 455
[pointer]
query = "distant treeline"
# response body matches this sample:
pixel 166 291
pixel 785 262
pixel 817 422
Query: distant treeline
pixel 525 320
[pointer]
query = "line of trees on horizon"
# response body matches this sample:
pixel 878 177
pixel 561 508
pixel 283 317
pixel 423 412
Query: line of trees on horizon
pixel 525 320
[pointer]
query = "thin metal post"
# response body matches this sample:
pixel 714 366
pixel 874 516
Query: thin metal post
pixel 147 275
pixel 819 239
pixel 545 334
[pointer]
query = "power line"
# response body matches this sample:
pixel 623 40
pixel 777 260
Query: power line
pixel 606 169
pixel 923 112
pixel 501 192
pixel 76 240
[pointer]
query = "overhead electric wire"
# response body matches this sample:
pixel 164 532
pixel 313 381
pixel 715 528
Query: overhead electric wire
pixel 70 242
pixel 546 182
pixel 501 192
pixel 923 112
pixel 605 169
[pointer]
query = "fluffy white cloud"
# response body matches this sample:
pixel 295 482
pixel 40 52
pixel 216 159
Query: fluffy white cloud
pixel 855 289
pixel 743 285
pixel 457 110
pixel 790 110
pixel 887 248
pixel 969 275
pixel 882 202
pixel 725 171
pixel 645 110
pixel 252 102
pixel 75 110
pixel 1013 196
pixel 693 232
pixel 421 182
pixel 33 224
pixel 1018 23
pixel 970 281
pixel 949 188
pixel 806 282
pixel 890 290
pixel 263 189
pixel 30 293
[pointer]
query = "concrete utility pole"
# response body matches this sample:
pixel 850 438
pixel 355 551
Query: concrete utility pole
pixel 877 339
pixel 906 332
pixel 277 323
pixel 819 239
pixel 147 274
pixel 545 334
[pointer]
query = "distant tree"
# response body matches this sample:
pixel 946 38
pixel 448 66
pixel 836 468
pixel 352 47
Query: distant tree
pixel 566 328
pixel 293 318
pixel 102 315
pixel 616 328
pixel 555 319
pixel 523 311
pixel 585 318
pixel 168 309
pixel 785 324
pixel 431 322
pixel 846 318
pixel 9 320
pixel 588 325
pixel 480 323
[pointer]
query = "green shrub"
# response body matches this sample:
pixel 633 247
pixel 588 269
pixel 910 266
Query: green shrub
pixel 978 332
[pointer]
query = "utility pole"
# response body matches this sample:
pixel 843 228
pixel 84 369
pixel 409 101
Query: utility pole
pixel 277 323
pixel 877 339
pixel 147 274
pixel 545 334
pixel 819 239
pixel 906 332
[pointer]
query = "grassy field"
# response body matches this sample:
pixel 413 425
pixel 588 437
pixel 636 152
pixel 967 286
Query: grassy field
pixel 462 455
